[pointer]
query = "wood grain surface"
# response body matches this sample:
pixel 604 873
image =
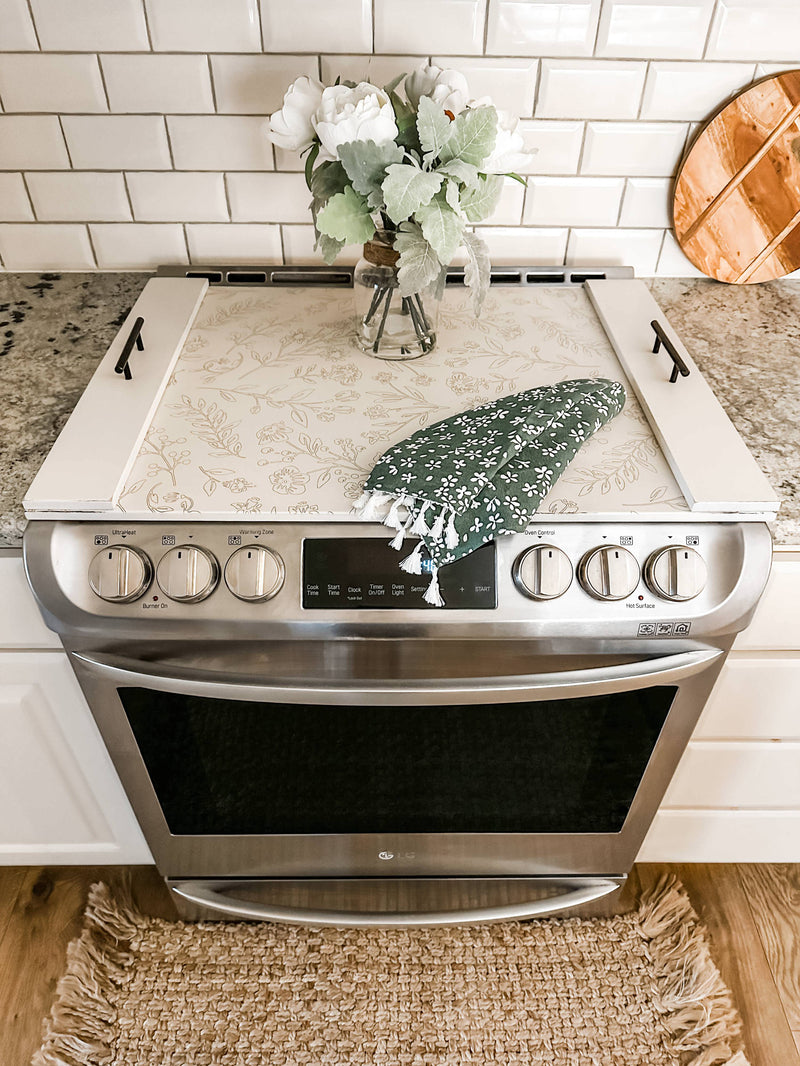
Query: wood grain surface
pixel 736 206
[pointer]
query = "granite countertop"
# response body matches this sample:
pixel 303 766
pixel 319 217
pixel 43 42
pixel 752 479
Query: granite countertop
pixel 55 328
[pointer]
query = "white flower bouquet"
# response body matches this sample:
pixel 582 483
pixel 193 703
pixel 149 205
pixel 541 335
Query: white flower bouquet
pixel 420 167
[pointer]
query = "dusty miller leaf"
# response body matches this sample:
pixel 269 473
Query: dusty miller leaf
pixel 479 200
pixel 466 173
pixel 433 127
pixel 442 228
pixel 329 247
pixel 328 179
pixel 406 189
pixel 346 217
pixel 477 271
pixel 472 137
pixel 453 196
pixel 365 164
pixel 418 265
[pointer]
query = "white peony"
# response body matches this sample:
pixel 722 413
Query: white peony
pixel 291 126
pixel 510 155
pixel 445 87
pixel 361 114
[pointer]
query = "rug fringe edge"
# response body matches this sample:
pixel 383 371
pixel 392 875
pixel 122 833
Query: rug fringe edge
pixel 697 1010
pixel 78 1030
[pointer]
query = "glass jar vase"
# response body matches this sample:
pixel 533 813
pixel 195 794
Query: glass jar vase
pixel 388 325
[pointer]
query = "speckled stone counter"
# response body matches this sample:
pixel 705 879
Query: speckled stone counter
pixel 54 329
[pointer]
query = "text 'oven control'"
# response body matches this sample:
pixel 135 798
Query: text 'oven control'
pixel 120 574
pixel 543 572
pixel 187 574
pixel 609 572
pixel 254 573
pixel 676 573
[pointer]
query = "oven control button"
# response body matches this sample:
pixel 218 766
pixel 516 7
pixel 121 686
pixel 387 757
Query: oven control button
pixel 675 573
pixel 120 574
pixel 187 574
pixel 609 572
pixel 542 572
pixel 254 573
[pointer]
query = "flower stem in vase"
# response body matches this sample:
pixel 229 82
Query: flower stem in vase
pixel 373 307
pixel 382 326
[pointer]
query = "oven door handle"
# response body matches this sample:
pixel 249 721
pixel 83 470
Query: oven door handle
pixel 211 894
pixel 563 684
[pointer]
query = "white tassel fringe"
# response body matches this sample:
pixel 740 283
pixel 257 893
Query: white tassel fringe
pixel 451 536
pixel 438 526
pixel 432 594
pixel 412 564
pixel 420 527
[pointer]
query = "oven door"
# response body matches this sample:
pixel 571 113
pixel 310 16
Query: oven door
pixel 402 759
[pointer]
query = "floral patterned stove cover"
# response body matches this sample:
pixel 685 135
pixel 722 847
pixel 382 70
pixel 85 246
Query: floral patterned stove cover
pixel 273 412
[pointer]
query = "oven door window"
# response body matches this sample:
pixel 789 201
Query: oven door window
pixel 225 767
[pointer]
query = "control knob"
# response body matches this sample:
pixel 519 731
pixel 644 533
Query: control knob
pixel 120 574
pixel 254 573
pixel 609 572
pixel 187 574
pixel 675 573
pixel 542 572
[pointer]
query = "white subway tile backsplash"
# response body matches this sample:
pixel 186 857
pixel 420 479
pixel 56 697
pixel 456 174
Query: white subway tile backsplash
pixel 204 25
pixel 542 27
pixel 18 33
pixel 269 197
pixel 573 201
pixel 117 142
pixel 425 26
pixel 377 70
pixel 167 197
pixel 509 208
pixel 32 142
pixel 651 149
pixel 589 88
pixel 756 29
pixel 654 29
pixel 234 244
pixel 219 142
pixel 691 90
pixel 158 83
pixel 615 247
pixel 134 246
pixel 317 26
pixel 78 196
pixel 39 82
pixel 557 145
pixel 91 25
pixel 511 83
pixel 522 244
pixel 298 247
pixel 256 85
pixel 43 246
pixel 15 205
pixel 647 202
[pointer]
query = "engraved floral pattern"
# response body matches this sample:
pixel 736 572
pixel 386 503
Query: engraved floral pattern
pixel 272 410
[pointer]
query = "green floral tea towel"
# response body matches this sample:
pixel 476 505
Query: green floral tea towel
pixel 480 474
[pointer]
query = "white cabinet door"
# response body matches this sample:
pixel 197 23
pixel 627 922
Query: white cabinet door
pixel 21 624
pixel 60 798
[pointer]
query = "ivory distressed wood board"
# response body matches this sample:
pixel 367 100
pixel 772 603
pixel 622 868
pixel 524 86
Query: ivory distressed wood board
pixel 736 206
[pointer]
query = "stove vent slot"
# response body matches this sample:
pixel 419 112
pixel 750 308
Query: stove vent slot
pixel 246 277
pixel 214 277
pixel 312 277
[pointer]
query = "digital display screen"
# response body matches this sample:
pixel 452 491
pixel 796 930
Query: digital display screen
pixel 358 573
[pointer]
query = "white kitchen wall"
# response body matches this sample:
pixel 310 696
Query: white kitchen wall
pixel 132 131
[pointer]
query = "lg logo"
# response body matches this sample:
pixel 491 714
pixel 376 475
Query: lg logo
pixel 386 855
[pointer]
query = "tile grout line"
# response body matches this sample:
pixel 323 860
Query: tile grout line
pixel 147 25
pixel 35 27
pixel 91 243
pixel 103 81
pixel 213 83
pixel 486 27
pixel 707 41
pixel 28 192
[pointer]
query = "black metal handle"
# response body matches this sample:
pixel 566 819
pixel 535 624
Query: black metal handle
pixel 134 337
pixel 678 365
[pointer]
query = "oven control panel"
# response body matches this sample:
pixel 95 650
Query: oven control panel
pixel 637 578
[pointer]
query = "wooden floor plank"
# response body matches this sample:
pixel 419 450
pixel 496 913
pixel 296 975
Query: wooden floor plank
pixel 719 898
pixel 11 878
pixel 773 892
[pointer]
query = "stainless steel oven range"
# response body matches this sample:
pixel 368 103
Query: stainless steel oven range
pixel 302 738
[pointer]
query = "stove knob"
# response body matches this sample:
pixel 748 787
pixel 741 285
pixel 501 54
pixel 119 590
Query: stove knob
pixel 254 573
pixel 675 573
pixel 187 574
pixel 542 572
pixel 120 574
pixel 609 572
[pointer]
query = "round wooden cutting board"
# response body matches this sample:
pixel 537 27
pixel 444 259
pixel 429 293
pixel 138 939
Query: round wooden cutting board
pixel 736 206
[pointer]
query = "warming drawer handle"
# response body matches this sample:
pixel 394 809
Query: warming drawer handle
pixel 566 684
pixel 134 337
pixel 578 891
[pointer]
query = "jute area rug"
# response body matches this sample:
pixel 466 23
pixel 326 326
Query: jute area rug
pixel 636 990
